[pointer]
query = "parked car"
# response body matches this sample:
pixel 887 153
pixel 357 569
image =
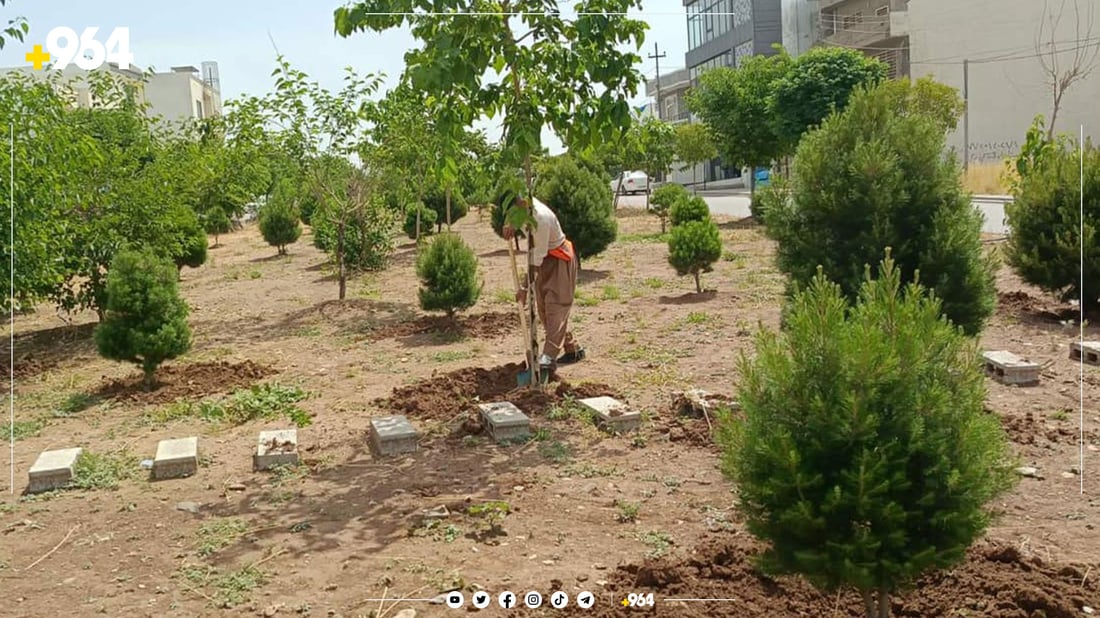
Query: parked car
pixel 633 182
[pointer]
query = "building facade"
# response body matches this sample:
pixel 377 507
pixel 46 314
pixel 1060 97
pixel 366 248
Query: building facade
pixel 878 28
pixel 1005 77
pixel 174 96
pixel 801 25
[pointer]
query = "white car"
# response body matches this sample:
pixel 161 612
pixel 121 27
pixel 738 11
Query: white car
pixel 633 182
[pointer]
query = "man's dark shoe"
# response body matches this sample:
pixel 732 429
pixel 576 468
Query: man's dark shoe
pixel 571 357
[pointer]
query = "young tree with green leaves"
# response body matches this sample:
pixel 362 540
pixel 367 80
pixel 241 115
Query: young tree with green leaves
pixel 419 220
pixel 694 247
pixel 280 224
pixel 16 29
pixel 875 176
pixel 865 457
pixel 694 145
pixel 447 269
pixel 325 129
pixel 145 321
pixel 817 83
pixel 664 198
pixel 1044 216
pixel 735 105
pixel 656 141
pixel 195 248
pixel 569 73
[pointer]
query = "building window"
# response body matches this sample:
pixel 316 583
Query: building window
pixel 882 11
pixel 198 110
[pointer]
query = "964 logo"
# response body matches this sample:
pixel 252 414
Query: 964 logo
pixel 64 47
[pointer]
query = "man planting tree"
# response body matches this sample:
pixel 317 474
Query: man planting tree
pixel 555 264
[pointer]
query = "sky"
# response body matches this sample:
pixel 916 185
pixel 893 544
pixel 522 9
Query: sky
pixel 238 35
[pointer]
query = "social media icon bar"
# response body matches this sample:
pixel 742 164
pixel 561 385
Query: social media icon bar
pixel 455 599
pixel 559 600
pixel 532 600
pixel 481 599
pixel 586 600
pixel 507 600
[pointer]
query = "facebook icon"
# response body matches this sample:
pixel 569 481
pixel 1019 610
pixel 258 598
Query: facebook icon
pixel 507 600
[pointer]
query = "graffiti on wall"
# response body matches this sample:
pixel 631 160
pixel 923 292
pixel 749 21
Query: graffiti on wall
pixel 993 152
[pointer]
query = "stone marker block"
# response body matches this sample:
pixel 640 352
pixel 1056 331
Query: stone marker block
pixel 613 415
pixel 276 448
pixel 504 420
pixel 392 435
pixel 53 469
pixel 1007 368
pixel 1090 350
pixel 176 458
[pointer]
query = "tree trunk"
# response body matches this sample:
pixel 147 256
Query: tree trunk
pixel 1054 113
pixel 448 209
pixel 417 239
pixel 883 603
pixel 341 272
pixel 648 179
pixel 698 284
pixel 869 609
pixel 149 376
pixel 618 190
pixel 752 182
pixel 663 225
pixel 693 188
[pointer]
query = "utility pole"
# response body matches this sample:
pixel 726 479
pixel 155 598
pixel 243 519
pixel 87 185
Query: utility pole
pixel 657 57
pixel 966 114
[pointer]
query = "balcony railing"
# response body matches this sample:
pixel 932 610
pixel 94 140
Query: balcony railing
pixel 864 30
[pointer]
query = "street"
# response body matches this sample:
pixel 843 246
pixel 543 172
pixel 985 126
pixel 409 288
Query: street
pixel 735 203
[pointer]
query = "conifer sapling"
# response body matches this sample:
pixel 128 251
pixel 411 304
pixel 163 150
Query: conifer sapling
pixel 693 248
pixel 447 269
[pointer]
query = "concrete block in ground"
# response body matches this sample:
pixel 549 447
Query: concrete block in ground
pixel 53 469
pixel 1007 368
pixel 392 435
pixel 276 448
pixel 176 458
pixel 613 415
pixel 1090 350
pixel 504 420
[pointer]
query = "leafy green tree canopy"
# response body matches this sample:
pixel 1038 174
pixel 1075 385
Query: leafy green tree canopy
pixel 582 203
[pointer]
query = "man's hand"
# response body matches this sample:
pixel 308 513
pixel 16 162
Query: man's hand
pixel 509 232
pixel 521 296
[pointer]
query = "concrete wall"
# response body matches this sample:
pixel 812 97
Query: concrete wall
pixel 767 26
pixel 800 25
pixel 172 95
pixel 1005 94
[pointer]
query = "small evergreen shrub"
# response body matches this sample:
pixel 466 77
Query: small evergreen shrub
pixel 694 247
pixel 873 177
pixel 582 202
pixel 193 248
pixel 145 320
pixel 1045 244
pixel 447 269
pixel 427 220
pixel 863 453
pixel 279 225
pixel 663 198
pixel 689 208
pixel 216 223
pixel 436 200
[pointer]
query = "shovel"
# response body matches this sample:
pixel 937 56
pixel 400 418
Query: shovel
pixel 524 377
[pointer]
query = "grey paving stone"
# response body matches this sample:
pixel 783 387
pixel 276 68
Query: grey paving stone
pixel 278 447
pixel 1089 349
pixel 392 435
pixel 176 458
pixel 1008 368
pixel 53 469
pixel 613 415
pixel 504 420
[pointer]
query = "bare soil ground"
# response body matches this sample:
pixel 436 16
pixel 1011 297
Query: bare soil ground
pixel 588 511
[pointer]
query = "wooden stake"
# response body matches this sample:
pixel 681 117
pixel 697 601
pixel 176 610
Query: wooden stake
pixel 55 548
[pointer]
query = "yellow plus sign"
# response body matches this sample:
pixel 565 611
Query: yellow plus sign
pixel 625 602
pixel 38 57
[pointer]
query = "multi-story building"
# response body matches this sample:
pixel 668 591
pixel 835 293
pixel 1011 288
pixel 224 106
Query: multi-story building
pixel 1004 67
pixel 801 25
pixel 174 96
pixel 878 28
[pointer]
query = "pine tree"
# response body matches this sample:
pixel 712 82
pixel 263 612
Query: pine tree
pixel 688 208
pixel 693 248
pixel 865 457
pixel 280 225
pixel 145 321
pixel 663 198
pixel 447 269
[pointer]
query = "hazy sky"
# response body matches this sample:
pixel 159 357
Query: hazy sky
pixel 235 34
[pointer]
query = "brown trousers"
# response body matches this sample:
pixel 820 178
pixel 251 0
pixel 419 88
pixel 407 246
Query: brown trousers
pixel 554 288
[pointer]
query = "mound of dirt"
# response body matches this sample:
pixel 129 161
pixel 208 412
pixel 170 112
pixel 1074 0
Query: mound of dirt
pixel 191 381
pixel 478 326
pixel 995 582
pixel 449 395
pixel 1029 430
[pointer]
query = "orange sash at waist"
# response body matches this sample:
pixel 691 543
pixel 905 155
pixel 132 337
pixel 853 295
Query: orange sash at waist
pixel 564 252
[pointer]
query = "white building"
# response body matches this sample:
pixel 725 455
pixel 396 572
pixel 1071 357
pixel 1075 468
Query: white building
pixel 1005 81
pixel 175 96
